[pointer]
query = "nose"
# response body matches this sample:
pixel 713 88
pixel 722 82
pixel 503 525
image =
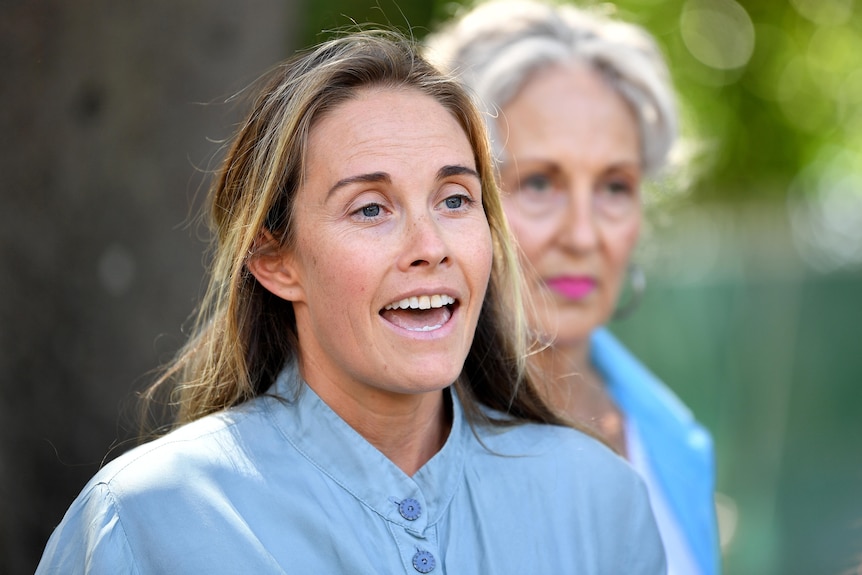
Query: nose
pixel 424 244
pixel 578 224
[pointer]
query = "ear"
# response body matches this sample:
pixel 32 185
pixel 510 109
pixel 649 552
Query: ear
pixel 276 270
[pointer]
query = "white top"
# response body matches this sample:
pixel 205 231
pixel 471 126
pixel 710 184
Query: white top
pixel 680 560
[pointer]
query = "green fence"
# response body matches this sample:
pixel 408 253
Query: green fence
pixel 767 352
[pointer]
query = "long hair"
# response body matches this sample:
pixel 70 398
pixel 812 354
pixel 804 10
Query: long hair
pixel 243 335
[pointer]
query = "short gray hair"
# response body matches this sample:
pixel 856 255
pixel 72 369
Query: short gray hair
pixel 495 47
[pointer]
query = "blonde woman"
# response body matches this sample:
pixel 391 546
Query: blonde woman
pixel 353 399
pixel 581 110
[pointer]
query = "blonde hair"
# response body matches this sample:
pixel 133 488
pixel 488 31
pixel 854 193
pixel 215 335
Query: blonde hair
pixel 243 334
pixel 495 48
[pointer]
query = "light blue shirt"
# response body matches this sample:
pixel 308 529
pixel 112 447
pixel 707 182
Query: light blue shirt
pixel 677 456
pixel 283 485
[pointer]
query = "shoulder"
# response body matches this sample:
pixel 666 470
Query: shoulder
pixel 90 538
pixel 555 450
pixel 588 496
pixel 226 448
pixel 643 397
pixel 187 473
pixel 212 441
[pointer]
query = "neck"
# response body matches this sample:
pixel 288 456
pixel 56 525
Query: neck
pixel 409 429
pixel 568 373
pixel 569 359
pixel 578 392
pixel 409 435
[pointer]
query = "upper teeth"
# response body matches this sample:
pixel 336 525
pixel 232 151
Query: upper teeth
pixel 422 302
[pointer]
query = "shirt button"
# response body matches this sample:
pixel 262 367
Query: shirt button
pixel 410 510
pixel 424 562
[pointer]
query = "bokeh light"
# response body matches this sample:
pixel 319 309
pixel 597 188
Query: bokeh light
pixel 719 33
pixel 824 12
pixel 826 213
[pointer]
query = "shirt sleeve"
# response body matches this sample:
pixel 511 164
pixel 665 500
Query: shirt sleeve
pixel 645 551
pixel 90 539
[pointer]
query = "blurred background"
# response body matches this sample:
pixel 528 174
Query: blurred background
pixel 113 115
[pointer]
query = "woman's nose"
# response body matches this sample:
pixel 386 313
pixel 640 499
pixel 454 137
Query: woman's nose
pixel 425 245
pixel 578 224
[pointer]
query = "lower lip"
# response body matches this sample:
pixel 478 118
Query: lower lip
pixel 575 288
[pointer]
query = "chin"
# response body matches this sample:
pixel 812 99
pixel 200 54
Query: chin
pixel 435 382
pixel 418 379
pixel 570 329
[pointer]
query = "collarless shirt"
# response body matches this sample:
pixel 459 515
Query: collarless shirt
pixel 281 484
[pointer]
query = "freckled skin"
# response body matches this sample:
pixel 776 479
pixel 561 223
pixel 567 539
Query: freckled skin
pixel 350 265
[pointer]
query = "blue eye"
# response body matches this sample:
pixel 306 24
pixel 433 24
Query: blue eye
pixel 371 211
pixel 454 202
pixel 457 203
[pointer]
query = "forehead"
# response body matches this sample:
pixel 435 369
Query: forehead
pixel 574 86
pixel 571 105
pixel 386 128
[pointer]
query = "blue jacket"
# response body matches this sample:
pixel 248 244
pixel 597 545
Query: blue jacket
pixel 678 448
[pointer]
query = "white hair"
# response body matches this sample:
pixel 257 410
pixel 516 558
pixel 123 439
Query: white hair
pixel 495 47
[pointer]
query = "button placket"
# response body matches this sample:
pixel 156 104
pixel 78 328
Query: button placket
pixel 416 540
pixel 419 552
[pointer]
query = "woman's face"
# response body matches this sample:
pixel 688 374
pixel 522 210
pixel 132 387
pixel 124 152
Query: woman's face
pixel 571 179
pixel 393 251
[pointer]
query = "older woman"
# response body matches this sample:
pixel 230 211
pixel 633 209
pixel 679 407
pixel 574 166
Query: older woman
pixel 353 399
pixel 581 110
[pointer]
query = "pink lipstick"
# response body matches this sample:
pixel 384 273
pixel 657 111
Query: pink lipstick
pixel 572 287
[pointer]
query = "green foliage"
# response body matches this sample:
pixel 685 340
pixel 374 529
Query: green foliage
pixel 766 87
pixel 324 19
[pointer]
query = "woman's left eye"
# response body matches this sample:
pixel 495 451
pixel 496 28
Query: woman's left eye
pixel 371 211
pixel 618 187
pixel 457 202
pixel 454 202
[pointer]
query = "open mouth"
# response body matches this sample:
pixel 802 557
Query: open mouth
pixel 420 313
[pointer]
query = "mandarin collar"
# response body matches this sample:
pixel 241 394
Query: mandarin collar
pixel 331 445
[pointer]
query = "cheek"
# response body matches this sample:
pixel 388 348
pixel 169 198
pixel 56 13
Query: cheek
pixel 334 274
pixel 478 257
pixel 533 236
pixel 486 256
pixel 621 243
pixel 348 274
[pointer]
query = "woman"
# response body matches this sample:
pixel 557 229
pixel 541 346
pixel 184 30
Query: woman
pixel 353 400
pixel 581 110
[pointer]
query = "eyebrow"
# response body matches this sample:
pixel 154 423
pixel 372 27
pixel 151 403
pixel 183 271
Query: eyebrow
pixel 373 177
pixel 377 177
pixel 448 171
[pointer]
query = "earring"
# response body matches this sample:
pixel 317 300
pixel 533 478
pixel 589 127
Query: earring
pixel 637 280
